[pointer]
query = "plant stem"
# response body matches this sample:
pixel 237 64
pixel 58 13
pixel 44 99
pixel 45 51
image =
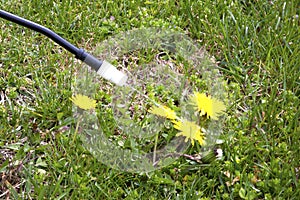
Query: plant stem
pixel 155 146
pixel 76 130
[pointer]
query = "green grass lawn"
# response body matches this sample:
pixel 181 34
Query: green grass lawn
pixel 256 47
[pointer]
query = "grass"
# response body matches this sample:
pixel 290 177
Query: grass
pixel 256 46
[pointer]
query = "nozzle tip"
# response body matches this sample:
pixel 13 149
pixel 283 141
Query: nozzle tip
pixel 111 73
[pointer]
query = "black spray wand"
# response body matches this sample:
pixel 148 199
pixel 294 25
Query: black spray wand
pixel 103 68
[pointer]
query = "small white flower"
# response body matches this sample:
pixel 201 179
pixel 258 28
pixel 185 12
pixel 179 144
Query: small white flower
pixel 219 154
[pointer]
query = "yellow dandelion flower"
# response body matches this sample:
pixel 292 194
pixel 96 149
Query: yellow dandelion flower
pixel 163 111
pixel 83 102
pixel 190 130
pixel 208 105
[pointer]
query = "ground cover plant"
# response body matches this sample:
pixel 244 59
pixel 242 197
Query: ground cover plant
pixel 256 48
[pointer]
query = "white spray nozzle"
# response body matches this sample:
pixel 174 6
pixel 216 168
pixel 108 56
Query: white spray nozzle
pixel 111 73
pixel 106 70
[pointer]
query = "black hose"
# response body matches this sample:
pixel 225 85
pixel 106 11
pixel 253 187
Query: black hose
pixel 79 53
